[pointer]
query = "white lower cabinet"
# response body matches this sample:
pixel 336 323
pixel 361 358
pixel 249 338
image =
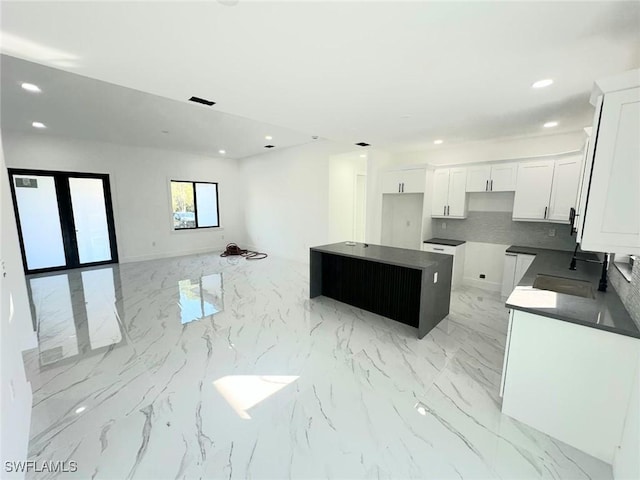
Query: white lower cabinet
pixel 515 266
pixel 569 381
pixel 458 259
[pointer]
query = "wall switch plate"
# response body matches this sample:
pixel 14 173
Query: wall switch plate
pixel 435 277
pixel 552 232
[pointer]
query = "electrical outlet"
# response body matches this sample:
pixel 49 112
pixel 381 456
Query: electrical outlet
pixel 482 275
pixel 444 225
pixel 153 244
pixel 435 277
pixel 552 232
pixel 408 223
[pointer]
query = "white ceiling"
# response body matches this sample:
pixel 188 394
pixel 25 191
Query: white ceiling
pixel 80 107
pixel 394 74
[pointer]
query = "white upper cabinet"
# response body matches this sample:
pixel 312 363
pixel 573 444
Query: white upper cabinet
pixel 404 181
pixel 566 177
pixel 546 190
pixel 440 193
pixel 449 193
pixel 457 206
pixel 503 177
pixel 612 215
pixel 499 177
pixel 478 178
pixel 533 190
pixel 414 180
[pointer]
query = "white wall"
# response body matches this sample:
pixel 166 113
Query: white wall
pixel 507 148
pixel 487 259
pixel 140 190
pixel 343 169
pixel 16 334
pixel 377 160
pixel 286 197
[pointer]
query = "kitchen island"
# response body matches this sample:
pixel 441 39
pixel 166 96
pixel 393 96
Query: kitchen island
pixel 409 286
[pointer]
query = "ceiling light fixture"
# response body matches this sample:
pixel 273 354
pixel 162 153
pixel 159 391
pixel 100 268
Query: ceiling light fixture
pixel 38 125
pixel 364 155
pixel 550 124
pixel 80 409
pixel 438 142
pixel 542 83
pixel 268 137
pixel 222 152
pixel 30 87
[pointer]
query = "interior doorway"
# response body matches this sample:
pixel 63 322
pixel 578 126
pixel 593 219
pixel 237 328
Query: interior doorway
pixel 65 219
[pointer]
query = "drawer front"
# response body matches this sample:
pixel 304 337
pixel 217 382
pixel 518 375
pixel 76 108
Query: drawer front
pixel 433 248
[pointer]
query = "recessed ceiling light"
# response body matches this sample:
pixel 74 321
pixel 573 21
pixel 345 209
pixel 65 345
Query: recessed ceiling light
pixel 268 137
pixel 30 87
pixel 38 125
pixel 542 83
pixel 550 124
pixel 80 409
pixel 438 142
pixel 222 152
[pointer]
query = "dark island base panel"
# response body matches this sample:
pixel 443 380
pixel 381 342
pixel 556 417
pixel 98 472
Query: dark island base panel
pixel 388 290
pixel 407 295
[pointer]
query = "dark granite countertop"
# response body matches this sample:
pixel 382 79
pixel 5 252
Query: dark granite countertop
pixel 605 311
pixel 394 256
pixel 444 241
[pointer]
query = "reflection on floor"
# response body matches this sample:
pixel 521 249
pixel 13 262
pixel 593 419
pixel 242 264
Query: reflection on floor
pixel 273 385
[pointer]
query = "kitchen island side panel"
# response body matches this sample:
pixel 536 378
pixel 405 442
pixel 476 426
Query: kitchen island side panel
pixel 435 297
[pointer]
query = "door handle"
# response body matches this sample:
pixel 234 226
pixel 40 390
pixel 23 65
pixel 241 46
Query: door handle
pixel 491 186
pixel 448 209
pixel 444 210
pixel 486 187
pixel 439 249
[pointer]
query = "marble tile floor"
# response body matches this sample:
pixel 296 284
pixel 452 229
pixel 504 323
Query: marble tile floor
pixel 209 367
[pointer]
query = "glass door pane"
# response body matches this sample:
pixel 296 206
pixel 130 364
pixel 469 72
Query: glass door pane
pixel 90 218
pixel 39 221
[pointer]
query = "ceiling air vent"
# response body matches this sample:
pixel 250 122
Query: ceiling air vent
pixel 269 146
pixel 202 101
pixel 362 144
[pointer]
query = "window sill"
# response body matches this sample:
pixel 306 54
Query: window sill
pixel 624 269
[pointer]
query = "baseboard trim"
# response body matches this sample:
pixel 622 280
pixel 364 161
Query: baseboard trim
pixel 156 256
pixel 483 284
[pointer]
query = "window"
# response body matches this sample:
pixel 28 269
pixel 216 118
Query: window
pixel 194 205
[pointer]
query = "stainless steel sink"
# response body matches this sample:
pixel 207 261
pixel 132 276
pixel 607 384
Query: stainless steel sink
pixel 578 288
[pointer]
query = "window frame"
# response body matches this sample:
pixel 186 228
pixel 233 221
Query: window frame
pixel 195 205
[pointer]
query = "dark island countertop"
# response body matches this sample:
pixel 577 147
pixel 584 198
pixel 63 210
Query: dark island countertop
pixel 605 311
pixel 403 257
pixel 445 241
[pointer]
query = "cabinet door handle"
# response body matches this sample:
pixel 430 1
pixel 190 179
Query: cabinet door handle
pixel 399 187
pixel 448 209
pixel 491 186
pixel 545 212
pixel 486 187
pixel 444 210
pixel 402 187
pixel 439 249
